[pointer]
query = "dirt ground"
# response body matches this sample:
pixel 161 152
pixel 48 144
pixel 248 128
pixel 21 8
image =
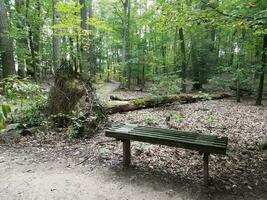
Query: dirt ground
pixel 48 165
pixel 23 176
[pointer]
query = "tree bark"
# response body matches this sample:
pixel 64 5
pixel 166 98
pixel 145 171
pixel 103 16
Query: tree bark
pixel 6 43
pixel 56 37
pixel 34 38
pixel 22 42
pixel 197 84
pixel 155 101
pixel 175 53
pixel 125 41
pixel 264 61
pixel 84 40
pixel 91 54
pixel 182 45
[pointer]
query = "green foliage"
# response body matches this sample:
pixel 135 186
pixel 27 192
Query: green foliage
pixel 77 122
pixel 166 85
pixel 211 119
pixel 5 110
pixel 177 117
pixel 31 113
pixel 202 96
pixel 76 127
pixel 27 99
pixel 16 88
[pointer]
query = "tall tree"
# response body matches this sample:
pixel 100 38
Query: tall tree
pixel 21 42
pixel 125 40
pixel 264 63
pixel 182 45
pixel 56 38
pixel 6 43
pixel 91 53
pixel 84 40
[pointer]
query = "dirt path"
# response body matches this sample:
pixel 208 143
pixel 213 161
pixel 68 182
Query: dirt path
pixel 107 89
pixel 22 177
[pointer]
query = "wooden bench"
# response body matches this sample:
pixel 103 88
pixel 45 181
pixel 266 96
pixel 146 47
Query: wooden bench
pixel 205 144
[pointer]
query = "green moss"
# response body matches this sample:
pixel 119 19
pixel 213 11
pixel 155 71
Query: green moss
pixel 140 101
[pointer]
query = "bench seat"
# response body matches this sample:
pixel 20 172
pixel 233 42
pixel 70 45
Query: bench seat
pixel 205 144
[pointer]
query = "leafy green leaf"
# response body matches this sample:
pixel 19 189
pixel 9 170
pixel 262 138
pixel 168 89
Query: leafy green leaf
pixel 6 109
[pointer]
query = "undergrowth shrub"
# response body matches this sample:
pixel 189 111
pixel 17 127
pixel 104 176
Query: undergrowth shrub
pixel 27 100
pixel 166 85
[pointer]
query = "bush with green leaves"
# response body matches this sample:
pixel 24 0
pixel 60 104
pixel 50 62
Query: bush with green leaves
pixel 4 111
pixel 227 76
pixel 27 100
pixel 202 96
pixel 166 85
pixel 15 87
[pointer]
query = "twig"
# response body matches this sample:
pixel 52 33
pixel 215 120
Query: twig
pixel 85 159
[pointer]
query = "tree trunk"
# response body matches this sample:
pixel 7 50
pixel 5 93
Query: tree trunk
pixel 155 101
pixel 238 90
pixel 264 61
pixel 108 68
pixel 56 37
pixel 92 54
pixel 6 43
pixel 34 39
pixel 22 42
pixel 197 84
pixel 182 45
pixel 84 53
pixel 175 53
pixel 129 69
pixel 125 41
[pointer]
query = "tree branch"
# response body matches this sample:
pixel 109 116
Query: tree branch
pixel 248 18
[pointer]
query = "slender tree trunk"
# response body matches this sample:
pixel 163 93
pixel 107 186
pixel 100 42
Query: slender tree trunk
pixel 175 56
pixel 6 43
pixel 84 53
pixel 182 45
pixel 56 37
pixel 108 68
pixel 163 50
pixel 22 42
pixel 241 58
pixel 129 69
pixel 264 62
pixel 34 38
pixel 197 85
pixel 125 41
pixel 238 89
pixel 92 50
pixel 78 63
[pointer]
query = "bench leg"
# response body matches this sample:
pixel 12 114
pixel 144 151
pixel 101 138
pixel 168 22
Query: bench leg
pixel 126 153
pixel 206 168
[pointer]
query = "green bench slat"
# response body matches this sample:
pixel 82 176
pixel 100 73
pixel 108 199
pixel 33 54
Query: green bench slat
pixel 194 136
pixel 195 141
pixel 211 139
pixel 178 138
pixel 164 137
pixel 189 134
pixel 168 142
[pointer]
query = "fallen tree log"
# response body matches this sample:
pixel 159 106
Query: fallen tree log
pixel 155 101
pixel 116 98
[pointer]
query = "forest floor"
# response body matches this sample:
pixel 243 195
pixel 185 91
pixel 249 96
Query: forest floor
pixel 48 165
